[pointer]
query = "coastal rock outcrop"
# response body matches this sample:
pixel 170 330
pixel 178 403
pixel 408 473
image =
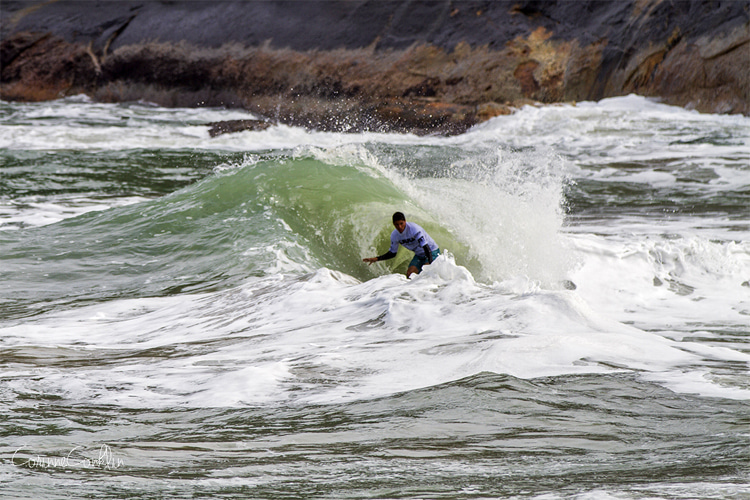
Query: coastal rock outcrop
pixel 425 67
pixel 231 126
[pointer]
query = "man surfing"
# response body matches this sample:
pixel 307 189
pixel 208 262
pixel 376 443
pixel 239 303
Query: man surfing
pixel 413 238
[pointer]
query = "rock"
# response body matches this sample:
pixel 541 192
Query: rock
pixel 489 110
pixel 38 67
pixel 423 67
pixel 711 74
pixel 232 126
pixel 423 117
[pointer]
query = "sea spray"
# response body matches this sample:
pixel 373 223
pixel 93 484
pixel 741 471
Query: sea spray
pixel 507 208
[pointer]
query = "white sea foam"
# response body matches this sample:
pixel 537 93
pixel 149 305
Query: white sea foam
pixel 39 211
pixel 665 282
pixel 78 124
pixel 511 221
pixel 328 337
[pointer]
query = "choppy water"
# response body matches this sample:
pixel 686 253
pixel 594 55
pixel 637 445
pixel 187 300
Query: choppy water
pixel 184 316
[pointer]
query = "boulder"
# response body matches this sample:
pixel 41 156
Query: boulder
pixel 232 126
pixel 421 66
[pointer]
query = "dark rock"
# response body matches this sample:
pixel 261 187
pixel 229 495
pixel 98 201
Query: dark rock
pixel 423 117
pixel 421 66
pixel 231 126
pixel 43 67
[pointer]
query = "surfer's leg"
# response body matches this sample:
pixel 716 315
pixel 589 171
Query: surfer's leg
pixel 412 270
pixel 415 266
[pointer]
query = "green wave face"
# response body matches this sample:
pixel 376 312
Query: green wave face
pixel 260 215
pixel 338 213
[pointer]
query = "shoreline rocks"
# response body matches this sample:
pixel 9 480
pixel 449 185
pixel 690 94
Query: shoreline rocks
pixel 232 126
pixel 420 67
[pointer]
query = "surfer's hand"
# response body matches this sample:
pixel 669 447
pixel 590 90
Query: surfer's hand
pixel 370 260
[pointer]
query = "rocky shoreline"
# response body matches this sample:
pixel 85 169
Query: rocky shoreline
pixel 420 67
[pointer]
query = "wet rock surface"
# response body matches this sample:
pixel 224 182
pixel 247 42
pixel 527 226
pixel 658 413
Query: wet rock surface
pixel 231 126
pixel 418 66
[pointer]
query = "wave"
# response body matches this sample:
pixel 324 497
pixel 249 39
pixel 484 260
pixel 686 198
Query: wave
pixel 292 212
pixel 237 278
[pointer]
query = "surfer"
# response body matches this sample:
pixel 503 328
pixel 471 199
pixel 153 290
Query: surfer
pixel 413 238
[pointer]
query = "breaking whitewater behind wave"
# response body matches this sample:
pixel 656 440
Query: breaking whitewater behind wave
pixel 599 249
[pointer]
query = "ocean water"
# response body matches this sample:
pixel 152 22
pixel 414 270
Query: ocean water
pixel 189 317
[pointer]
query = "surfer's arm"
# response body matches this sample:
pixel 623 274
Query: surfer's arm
pixel 428 253
pixel 385 256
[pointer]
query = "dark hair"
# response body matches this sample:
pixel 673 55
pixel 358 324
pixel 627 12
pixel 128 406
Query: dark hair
pixel 398 216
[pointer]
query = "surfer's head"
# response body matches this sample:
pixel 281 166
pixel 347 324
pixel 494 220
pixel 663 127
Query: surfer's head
pixel 399 221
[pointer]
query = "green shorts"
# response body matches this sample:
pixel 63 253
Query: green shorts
pixel 418 262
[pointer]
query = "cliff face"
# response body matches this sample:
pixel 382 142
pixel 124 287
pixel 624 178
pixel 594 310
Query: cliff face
pixel 437 66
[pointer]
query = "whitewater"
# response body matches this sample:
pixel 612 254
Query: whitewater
pixel 184 316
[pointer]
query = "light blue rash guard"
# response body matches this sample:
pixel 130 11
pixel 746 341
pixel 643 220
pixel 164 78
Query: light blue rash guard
pixel 413 238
